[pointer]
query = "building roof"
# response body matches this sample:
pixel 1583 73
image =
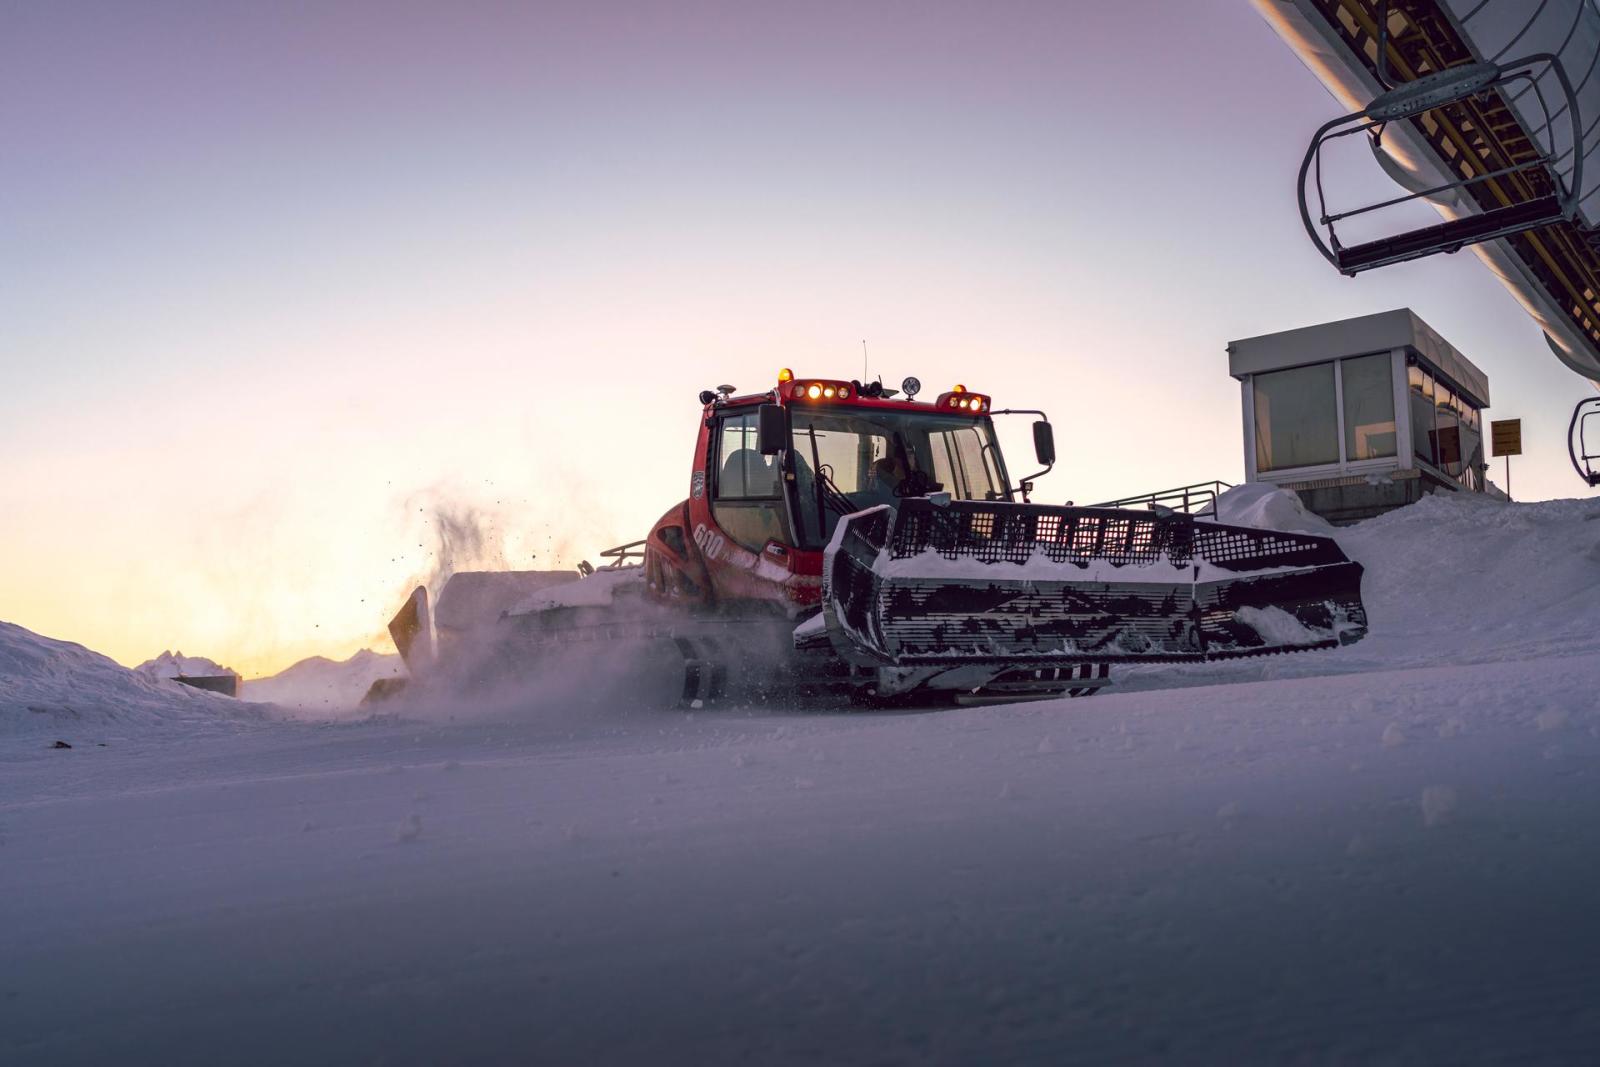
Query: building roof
pixel 1386 330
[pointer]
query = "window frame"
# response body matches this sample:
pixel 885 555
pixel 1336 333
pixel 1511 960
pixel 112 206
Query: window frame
pixel 1338 420
pixel 1466 413
pixel 1405 431
pixel 778 504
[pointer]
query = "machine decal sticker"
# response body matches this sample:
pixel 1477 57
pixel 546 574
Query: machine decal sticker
pixel 713 544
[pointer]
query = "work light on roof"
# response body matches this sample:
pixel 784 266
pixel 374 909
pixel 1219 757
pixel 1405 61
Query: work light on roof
pixel 911 387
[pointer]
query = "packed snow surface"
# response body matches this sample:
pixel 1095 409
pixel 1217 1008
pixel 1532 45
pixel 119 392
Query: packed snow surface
pixel 1383 853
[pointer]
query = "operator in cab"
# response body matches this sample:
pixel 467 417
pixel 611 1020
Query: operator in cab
pixel 882 483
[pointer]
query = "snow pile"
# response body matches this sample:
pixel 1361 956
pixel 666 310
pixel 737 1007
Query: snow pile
pixel 171 665
pixel 1452 579
pixel 1457 577
pixel 598 590
pixel 59 688
pixel 322 684
pixel 1267 507
pixel 1460 578
pixel 1278 627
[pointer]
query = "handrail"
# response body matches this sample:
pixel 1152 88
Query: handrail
pixel 620 555
pixel 1197 499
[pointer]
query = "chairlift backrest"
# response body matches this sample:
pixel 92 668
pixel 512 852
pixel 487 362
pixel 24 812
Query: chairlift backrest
pixel 1583 448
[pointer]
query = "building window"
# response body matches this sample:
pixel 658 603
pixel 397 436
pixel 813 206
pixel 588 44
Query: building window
pixel 1471 447
pixel 1446 430
pixel 1420 392
pixel 1369 431
pixel 1297 423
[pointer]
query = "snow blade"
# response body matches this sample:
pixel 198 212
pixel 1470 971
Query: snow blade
pixel 412 631
pixel 970 582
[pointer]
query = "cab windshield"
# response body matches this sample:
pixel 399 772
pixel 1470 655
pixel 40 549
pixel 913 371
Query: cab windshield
pixel 869 457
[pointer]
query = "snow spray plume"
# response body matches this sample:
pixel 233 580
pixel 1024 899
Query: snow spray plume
pixel 581 688
pixel 464 538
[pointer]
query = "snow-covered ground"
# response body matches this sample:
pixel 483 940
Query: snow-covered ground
pixel 60 689
pixel 1385 853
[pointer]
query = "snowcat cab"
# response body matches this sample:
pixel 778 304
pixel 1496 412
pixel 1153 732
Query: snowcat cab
pixel 1493 190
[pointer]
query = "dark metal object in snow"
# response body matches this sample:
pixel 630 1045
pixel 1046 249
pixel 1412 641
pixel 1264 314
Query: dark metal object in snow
pixel 971 581
pixel 226 684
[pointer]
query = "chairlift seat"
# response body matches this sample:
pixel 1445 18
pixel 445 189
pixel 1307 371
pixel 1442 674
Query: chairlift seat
pixel 1450 236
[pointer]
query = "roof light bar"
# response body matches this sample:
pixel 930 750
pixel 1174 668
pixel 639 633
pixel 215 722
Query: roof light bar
pixel 960 402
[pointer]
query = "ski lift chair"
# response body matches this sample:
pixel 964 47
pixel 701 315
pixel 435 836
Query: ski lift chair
pixel 1410 100
pixel 1578 446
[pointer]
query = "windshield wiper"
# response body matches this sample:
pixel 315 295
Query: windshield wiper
pixel 835 497
pixel 829 495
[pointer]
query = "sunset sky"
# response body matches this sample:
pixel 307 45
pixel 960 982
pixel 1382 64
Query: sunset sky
pixel 281 283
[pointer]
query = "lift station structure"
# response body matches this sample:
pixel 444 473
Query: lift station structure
pixel 1487 110
pixel 1361 416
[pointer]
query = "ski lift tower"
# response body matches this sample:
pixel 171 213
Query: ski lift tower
pixel 1361 416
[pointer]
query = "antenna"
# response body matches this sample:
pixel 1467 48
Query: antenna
pixel 863 359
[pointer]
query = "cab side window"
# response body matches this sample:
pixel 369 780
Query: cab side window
pixel 747 496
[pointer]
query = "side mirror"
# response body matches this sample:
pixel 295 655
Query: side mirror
pixel 772 429
pixel 1044 443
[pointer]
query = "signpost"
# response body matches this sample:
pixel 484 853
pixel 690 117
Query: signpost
pixel 1506 437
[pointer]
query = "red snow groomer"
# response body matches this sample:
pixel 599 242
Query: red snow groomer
pixel 841 537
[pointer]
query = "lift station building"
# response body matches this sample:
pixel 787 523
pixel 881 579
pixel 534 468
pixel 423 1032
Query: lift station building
pixel 1361 416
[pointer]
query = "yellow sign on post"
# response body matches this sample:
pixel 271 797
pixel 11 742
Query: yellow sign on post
pixel 1506 436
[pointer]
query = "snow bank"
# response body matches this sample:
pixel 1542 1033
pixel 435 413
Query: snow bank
pixel 61 689
pixel 1270 508
pixel 1464 578
pixel 1452 579
pixel 322 684
pixel 1457 577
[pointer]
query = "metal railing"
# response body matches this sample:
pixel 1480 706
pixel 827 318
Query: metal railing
pixel 630 554
pixel 1197 499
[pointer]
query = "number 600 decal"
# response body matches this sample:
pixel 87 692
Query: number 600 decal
pixel 710 542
